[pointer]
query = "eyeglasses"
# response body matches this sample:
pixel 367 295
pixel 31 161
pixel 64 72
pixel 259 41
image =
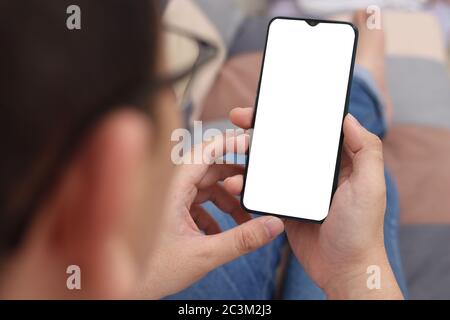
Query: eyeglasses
pixel 186 53
pixel 189 54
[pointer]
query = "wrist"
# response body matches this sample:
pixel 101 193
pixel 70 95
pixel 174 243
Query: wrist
pixel 370 278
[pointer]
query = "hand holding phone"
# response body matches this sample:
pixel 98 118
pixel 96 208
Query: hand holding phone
pixel 338 253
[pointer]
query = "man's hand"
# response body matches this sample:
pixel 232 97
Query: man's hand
pixel 337 253
pixel 191 242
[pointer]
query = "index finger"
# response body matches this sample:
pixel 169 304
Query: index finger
pixel 242 117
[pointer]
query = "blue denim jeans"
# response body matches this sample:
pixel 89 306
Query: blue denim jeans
pixel 253 276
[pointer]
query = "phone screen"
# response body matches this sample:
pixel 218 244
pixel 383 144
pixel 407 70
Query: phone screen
pixel 302 100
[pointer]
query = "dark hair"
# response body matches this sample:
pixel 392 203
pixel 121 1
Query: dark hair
pixel 56 82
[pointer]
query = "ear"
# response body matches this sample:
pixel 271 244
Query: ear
pixel 94 207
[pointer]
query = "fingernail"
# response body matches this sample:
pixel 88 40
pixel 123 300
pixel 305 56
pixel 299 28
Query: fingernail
pixel 353 119
pixel 274 226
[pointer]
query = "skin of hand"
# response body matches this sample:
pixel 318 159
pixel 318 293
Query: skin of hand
pixel 337 253
pixel 191 243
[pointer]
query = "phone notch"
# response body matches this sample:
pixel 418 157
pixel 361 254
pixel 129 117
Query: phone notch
pixel 312 23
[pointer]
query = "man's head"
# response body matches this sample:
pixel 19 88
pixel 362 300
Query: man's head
pixel 85 158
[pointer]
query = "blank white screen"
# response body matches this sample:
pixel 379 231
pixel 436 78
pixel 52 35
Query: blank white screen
pixel 299 118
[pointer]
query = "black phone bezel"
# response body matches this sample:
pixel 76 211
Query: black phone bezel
pixel 312 23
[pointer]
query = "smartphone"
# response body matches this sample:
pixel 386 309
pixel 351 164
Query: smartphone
pixel 303 94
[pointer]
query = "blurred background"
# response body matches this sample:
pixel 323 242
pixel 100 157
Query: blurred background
pixel 417 148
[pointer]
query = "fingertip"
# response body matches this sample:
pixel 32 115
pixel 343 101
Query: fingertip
pixel 236 112
pixel 233 111
pixel 243 239
pixel 241 117
pixel 234 184
pixel 352 133
pixel 274 226
pixel 352 121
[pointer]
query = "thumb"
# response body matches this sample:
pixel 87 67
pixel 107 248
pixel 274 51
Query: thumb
pixel 365 148
pixel 245 238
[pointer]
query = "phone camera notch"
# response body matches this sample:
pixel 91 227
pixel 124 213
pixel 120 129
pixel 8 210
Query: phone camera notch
pixel 312 23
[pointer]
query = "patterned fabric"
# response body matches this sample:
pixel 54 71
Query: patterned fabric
pixel 419 158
